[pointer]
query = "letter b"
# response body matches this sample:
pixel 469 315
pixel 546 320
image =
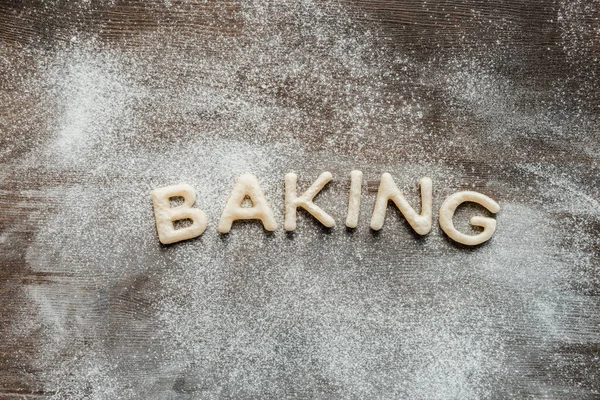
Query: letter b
pixel 165 215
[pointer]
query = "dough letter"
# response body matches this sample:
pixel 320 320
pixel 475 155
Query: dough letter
pixel 488 224
pixel 292 202
pixel 247 186
pixel 165 215
pixel 354 199
pixel 389 191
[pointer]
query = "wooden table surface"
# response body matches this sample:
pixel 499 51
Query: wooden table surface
pixel 103 101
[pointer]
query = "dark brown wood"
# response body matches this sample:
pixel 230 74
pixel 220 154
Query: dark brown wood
pixel 546 53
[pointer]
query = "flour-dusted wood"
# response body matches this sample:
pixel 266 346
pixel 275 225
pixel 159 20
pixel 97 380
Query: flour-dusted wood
pixel 103 101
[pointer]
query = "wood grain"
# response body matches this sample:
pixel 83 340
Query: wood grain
pixel 519 40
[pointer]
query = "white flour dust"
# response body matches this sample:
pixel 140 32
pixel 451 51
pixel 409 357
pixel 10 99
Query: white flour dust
pixel 316 314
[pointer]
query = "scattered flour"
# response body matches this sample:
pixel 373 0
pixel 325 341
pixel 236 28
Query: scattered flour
pixel 314 314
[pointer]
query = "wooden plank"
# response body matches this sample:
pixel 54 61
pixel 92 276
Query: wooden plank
pixel 101 102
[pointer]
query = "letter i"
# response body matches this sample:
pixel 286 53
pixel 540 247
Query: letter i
pixel 356 178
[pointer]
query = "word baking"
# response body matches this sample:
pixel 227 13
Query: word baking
pixel 247 186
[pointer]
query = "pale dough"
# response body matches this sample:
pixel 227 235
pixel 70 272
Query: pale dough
pixel 165 215
pixel 389 191
pixel 356 178
pixel 247 185
pixel 292 201
pixel 488 224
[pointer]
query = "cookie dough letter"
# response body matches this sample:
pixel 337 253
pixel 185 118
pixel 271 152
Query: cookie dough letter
pixel 389 191
pixel 488 224
pixel 292 202
pixel 354 199
pixel 247 186
pixel 165 215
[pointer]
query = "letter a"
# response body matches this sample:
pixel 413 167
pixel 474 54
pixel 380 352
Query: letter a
pixel 247 186
pixel 292 202
pixel 488 224
pixel 165 215
pixel 389 191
